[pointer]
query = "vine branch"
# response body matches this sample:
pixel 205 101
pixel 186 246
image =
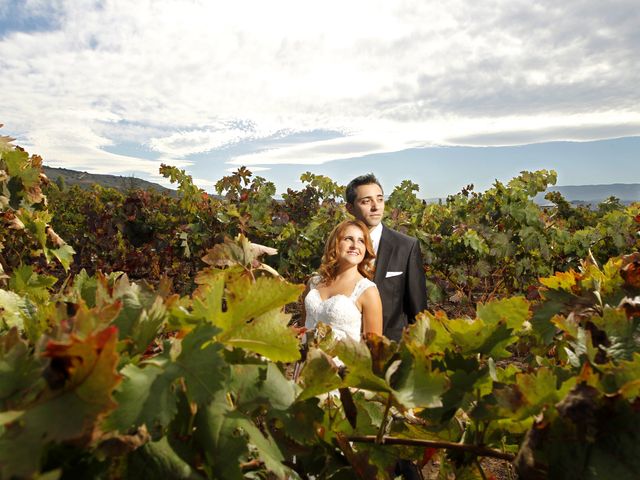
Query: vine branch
pixel 475 449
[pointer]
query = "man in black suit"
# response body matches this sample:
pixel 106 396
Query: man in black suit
pixel 399 269
pixel 399 272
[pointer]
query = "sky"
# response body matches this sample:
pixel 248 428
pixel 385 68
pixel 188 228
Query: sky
pixel 444 93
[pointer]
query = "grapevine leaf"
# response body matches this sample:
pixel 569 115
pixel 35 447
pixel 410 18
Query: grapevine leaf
pixel 159 460
pixel 415 383
pixel 512 311
pixel 20 372
pixel 146 395
pixel 300 420
pixel 614 323
pixel 208 299
pixel 438 323
pixel 382 351
pixel 555 302
pixel 356 358
pixel 475 336
pixel 319 375
pixel 231 253
pixel 25 281
pixel 267 335
pixel 200 364
pixel 566 281
pixel 148 325
pixel 419 335
pixel 254 385
pixel 464 374
pixel 144 398
pixel 226 437
pixel 67 412
pixel 13 310
pixel 532 393
pixel 64 254
pixel 588 438
pixel 258 298
pixel 625 377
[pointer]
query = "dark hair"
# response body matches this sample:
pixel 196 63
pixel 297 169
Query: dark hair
pixel 329 266
pixel 368 179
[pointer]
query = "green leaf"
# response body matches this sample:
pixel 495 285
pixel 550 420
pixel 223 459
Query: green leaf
pixel 358 366
pixel 438 323
pixel 64 254
pixel 200 364
pixel 13 310
pixel 532 393
pixel 555 302
pixel 300 420
pixel 159 460
pixel 63 413
pixel 258 298
pixel 624 378
pixel 25 281
pixel 588 438
pixel 419 335
pixel 147 395
pixel 415 383
pixel 254 385
pixel 614 323
pixel 512 311
pixel 319 375
pixel 475 336
pixel 20 372
pixel 267 335
pixel 85 288
pixel 227 437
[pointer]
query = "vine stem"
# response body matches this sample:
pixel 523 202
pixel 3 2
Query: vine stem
pixel 475 449
pixel 484 477
pixel 379 438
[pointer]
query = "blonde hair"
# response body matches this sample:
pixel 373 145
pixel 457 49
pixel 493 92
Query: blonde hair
pixel 329 266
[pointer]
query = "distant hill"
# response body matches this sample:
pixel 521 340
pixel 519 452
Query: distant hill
pixel 86 180
pixel 626 192
pixel 580 194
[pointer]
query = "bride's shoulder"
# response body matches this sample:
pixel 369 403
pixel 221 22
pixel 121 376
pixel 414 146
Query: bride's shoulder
pixel 314 281
pixel 363 285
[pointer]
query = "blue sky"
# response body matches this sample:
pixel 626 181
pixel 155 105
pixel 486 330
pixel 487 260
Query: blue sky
pixel 442 93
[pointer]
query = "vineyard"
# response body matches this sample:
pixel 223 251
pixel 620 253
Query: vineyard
pixel 146 336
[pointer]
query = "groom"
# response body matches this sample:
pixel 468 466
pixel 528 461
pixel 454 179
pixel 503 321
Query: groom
pixel 399 271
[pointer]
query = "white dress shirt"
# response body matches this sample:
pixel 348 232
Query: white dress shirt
pixel 375 235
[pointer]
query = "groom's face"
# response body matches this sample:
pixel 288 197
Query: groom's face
pixel 368 205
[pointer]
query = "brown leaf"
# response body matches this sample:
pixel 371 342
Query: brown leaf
pixel 54 237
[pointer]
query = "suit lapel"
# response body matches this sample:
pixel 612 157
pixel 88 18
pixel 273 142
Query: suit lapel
pixel 384 253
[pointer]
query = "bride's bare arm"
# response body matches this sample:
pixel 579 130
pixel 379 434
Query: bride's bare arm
pixel 302 307
pixel 371 311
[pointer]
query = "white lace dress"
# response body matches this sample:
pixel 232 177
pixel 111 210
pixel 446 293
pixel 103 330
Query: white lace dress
pixel 339 311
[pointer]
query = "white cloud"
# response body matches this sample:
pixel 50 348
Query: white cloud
pixel 186 77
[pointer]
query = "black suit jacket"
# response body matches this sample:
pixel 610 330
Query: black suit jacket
pixel 400 280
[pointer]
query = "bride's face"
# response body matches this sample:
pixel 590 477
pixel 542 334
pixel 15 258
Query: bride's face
pixel 351 246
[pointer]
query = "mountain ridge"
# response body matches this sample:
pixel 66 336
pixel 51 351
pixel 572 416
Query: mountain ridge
pixel 626 192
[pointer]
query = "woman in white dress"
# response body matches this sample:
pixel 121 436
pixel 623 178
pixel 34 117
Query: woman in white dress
pixel 343 295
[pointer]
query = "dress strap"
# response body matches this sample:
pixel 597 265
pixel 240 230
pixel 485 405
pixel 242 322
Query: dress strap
pixel 314 281
pixel 360 287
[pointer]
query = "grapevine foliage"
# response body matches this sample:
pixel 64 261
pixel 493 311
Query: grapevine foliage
pixel 105 375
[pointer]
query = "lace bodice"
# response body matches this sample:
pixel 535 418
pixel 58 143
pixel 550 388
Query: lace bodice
pixel 339 311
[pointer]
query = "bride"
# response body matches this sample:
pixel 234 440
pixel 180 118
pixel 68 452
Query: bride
pixel 343 295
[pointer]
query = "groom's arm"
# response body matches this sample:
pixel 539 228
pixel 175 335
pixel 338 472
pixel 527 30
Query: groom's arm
pixel 415 295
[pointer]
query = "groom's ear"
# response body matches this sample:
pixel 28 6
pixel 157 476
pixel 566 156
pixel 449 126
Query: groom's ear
pixel 349 208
